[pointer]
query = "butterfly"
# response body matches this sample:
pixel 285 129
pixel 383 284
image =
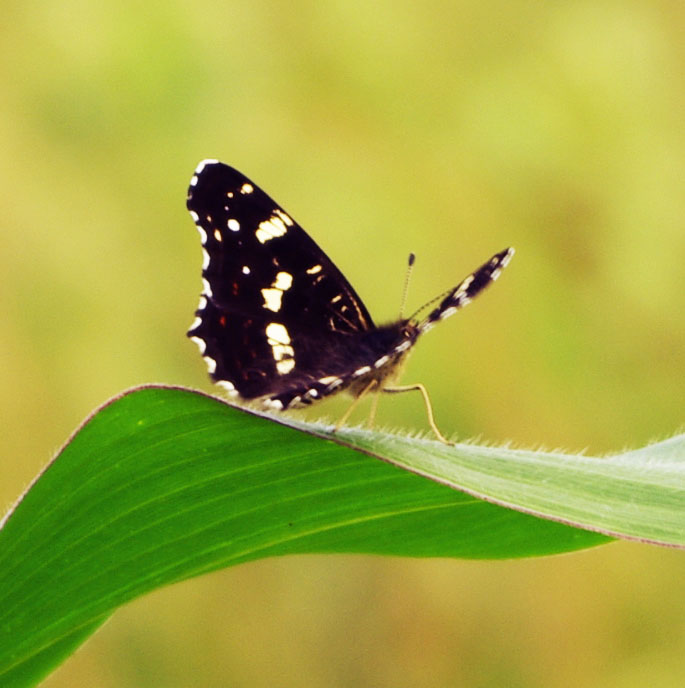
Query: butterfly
pixel 277 321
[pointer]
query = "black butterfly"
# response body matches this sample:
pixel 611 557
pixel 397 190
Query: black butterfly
pixel 277 321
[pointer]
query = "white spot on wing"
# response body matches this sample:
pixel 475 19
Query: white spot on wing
pixel 206 289
pixel 272 299
pixel 284 281
pixel 233 225
pixel 328 379
pixel 201 344
pixel 362 370
pixel 228 387
pixel 466 284
pixel 273 296
pixel 279 341
pixel 278 333
pixel 201 166
pixel 314 269
pixel 194 215
pixel 217 235
pixel 211 363
pixel 284 216
pixel 270 229
pixel 285 366
pixel 246 270
pixel 207 161
pixel 203 234
pixel 205 259
pixel 331 382
pixel 246 188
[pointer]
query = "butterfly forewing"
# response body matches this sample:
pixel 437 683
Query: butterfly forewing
pixel 272 299
pixel 468 288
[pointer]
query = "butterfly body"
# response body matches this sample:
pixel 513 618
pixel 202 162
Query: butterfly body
pixel 277 321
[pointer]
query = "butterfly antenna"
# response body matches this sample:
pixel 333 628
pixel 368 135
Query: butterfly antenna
pixel 410 265
pixel 405 290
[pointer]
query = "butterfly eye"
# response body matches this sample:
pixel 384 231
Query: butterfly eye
pixel 409 329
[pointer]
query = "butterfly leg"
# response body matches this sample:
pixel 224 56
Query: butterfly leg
pixel 374 407
pixel 353 405
pixel 426 400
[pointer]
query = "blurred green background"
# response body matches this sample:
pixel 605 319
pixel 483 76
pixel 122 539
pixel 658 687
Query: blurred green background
pixel 451 129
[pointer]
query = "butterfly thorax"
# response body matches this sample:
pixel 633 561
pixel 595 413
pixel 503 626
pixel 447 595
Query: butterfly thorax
pixel 389 346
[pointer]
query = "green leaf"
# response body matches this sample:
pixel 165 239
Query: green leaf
pixel 164 484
